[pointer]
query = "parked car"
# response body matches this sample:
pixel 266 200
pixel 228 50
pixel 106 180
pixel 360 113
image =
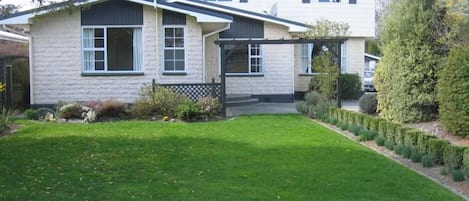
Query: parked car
pixel 368 81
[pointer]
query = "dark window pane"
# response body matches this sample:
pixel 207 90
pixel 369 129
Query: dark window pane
pixel 179 54
pixel 179 65
pixel 237 62
pixel 169 42
pixel 169 54
pixel 99 33
pixel 99 65
pixel 179 42
pixel 179 32
pixel 169 32
pixel 120 49
pixel 169 65
pixel 99 43
pixel 99 56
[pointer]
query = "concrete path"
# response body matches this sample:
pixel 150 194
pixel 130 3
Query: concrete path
pixel 261 108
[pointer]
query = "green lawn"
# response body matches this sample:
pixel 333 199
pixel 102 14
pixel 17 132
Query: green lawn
pixel 271 157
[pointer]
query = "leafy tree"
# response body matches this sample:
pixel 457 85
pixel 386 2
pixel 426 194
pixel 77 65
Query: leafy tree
pixel 406 76
pixel 7 9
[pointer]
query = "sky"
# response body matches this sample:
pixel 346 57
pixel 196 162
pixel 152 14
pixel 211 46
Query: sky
pixel 25 4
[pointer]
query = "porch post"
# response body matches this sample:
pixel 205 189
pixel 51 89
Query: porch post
pixel 339 66
pixel 223 81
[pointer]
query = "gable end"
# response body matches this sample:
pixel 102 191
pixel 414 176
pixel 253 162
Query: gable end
pixel 116 12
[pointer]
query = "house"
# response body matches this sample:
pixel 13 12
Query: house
pixel 107 49
pixel 370 62
pixel 12 44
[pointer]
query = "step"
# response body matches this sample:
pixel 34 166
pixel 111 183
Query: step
pixel 242 102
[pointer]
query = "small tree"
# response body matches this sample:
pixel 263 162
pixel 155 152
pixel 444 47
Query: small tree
pixel 325 82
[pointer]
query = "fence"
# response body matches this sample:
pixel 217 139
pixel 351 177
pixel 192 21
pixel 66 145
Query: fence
pixel 194 91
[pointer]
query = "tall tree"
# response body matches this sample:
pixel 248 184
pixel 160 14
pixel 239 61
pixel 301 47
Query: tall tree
pixel 7 9
pixel 406 76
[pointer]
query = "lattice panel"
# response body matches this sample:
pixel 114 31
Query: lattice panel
pixel 196 91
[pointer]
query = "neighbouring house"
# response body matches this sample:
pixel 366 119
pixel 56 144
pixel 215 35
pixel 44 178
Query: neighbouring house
pixel 107 49
pixel 370 62
pixel 12 44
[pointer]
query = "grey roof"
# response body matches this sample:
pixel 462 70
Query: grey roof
pixel 194 9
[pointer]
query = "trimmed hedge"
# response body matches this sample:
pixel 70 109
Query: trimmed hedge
pixel 453 156
pixel 409 142
pixel 351 86
pixel 466 161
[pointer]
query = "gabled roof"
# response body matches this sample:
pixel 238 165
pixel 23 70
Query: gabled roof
pixel 203 11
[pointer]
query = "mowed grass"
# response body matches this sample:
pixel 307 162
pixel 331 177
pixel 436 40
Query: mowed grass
pixel 266 157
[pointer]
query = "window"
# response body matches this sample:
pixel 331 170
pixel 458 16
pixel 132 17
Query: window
pixel 306 58
pixel 112 49
pixel 174 54
pixel 244 59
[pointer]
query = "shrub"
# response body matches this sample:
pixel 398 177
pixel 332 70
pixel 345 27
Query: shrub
pixel 435 149
pixel 326 81
pixel 380 140
pixel 351 86
pixel 318 110
pixel 374 124
pixel 391 130
pixel 444 171
pixel 453 156
pixel 389 145
pixel 209 105
pixel 343 126
pixel 30 114
pixel 427 161
pixel 189 111
pixel 355 129
pixel 112 109
pixel 367 135
pixel 466 161
pixel 334 121
pixel 453 91
pixel 398 149
pixel 7 117
pixel 406 151
pixel 382 127
pixel 457 175
pixel 367 103
pixel 312 98
pixel 415 155
pixel 301 107
pixel 400 133
pixel 157 101
pixel 358 119
pixel 70 111
pixel 367 121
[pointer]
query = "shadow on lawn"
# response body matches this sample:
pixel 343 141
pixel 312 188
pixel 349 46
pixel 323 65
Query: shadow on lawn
pixel 175 168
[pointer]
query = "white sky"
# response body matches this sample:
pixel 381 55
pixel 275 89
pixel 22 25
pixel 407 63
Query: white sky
pixel 25 4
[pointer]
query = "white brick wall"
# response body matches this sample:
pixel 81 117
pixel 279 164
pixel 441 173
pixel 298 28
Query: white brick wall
pixel 278 68
pixel 56 67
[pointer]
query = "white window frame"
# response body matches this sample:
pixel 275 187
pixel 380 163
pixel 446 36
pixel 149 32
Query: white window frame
pixel 307 57
pixel 343 58
pixel 174 48
pixel 260 57
pixel 136 69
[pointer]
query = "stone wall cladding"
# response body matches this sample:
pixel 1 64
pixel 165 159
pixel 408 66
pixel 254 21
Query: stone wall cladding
pixel 278 68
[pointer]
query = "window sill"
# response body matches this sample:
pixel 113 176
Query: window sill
pixel 175 73
pixel 245 75
pixel 112 73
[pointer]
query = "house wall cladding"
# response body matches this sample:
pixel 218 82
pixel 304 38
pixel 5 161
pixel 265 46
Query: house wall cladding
pixel 113 12
pixel 56 71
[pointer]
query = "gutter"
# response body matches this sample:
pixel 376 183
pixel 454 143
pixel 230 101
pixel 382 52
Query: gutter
pixel 204 37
